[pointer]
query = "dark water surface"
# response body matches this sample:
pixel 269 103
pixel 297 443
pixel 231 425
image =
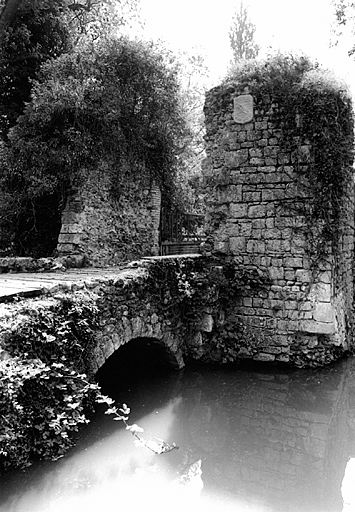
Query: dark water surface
pixel 250 441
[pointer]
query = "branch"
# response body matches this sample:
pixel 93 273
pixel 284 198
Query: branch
pixel 156 445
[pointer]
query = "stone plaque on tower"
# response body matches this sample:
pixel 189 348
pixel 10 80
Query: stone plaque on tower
pixel 243 108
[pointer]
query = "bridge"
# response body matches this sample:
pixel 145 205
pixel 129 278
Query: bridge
pixel 128 301
pixel 278 284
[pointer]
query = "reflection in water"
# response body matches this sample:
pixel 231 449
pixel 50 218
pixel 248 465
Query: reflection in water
pixel 252 441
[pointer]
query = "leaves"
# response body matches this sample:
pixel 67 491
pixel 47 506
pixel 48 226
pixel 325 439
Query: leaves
pixel 117 102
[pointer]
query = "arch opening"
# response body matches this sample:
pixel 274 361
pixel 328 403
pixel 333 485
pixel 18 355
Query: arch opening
pixel 139 359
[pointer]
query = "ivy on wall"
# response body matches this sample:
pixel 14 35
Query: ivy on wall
pixel 118 102
pixel 313 111
pixel 45 393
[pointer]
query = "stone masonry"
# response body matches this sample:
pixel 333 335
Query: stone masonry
pixel 254 202
pixel 109 229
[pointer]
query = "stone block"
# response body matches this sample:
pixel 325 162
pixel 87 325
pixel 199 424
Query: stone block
pixel 272 349
pixel 257 211
pixel 264 357
pixel 323 312
pixel 293 262
pixel 228 193
pixel 261 125
pixel 221 246
pixel 290 275
pixel 258 224
pixel 312 326
pixel 256 246
pixel 283 358
pixel 240 229
pixel 238 210
pixel 283 158
pixel 235 159
pixel 270 160
pixel 69 238
pixel 273 233
pixel 321 292
pixel 206 323
pixel 237 244
pixel 256 153
pixel 69 217
pixel 71 228
pixel 273 245
pixel 257 161
pixel 241 136
pixel 276 273
pixel 303 276
pixel 254 197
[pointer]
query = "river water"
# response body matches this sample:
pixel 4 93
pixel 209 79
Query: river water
pixel 252 440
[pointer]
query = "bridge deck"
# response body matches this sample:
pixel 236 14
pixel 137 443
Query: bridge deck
pixel 33 284
pixel 41 283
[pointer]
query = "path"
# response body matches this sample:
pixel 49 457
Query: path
pixel 40 283
pixel 33 284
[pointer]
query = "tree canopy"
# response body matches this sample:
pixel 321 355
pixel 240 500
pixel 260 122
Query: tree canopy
pixel 345 19
pixel 116 101
pixel 241 36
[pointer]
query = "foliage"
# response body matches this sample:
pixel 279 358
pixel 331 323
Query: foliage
pixel 344 11
pixel 241 36
pixel 193 75
pixel 46 381
pixel 156 445
pixel 116 101
pixel 313 111
pixel 41 406
pixel 44 394
pixel 208 282
pixel 38 33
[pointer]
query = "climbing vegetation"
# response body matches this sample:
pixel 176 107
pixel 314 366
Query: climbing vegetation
pixel 116 102
pixel 46 385
pixel 313 111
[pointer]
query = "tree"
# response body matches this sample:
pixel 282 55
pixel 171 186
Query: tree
pixel 116 102
pixel 35 34
pixel 345 20
pixel 34 31
pixel 194 83
pixel 241 36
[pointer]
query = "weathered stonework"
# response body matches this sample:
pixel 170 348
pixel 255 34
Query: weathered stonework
pixel 255 200
pixel 110 229
pixel 130 304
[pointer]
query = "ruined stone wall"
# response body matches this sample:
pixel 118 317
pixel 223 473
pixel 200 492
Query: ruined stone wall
pixel 109 228
pixel 255 203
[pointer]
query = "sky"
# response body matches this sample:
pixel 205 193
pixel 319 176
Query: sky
pixel 286 25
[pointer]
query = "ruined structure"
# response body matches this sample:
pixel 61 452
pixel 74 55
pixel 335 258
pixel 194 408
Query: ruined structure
pixel 111 227
pixel 263 210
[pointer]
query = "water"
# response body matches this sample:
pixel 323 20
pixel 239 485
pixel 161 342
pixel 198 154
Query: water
pixel 250 441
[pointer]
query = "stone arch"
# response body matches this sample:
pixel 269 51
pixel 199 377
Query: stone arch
pixel 115 334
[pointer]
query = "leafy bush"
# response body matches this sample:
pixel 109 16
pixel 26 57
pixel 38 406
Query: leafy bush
pixel 116 102
pixel 44 394
pixel 41 406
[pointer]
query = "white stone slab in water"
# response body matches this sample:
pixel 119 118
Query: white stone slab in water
pixel 243 109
